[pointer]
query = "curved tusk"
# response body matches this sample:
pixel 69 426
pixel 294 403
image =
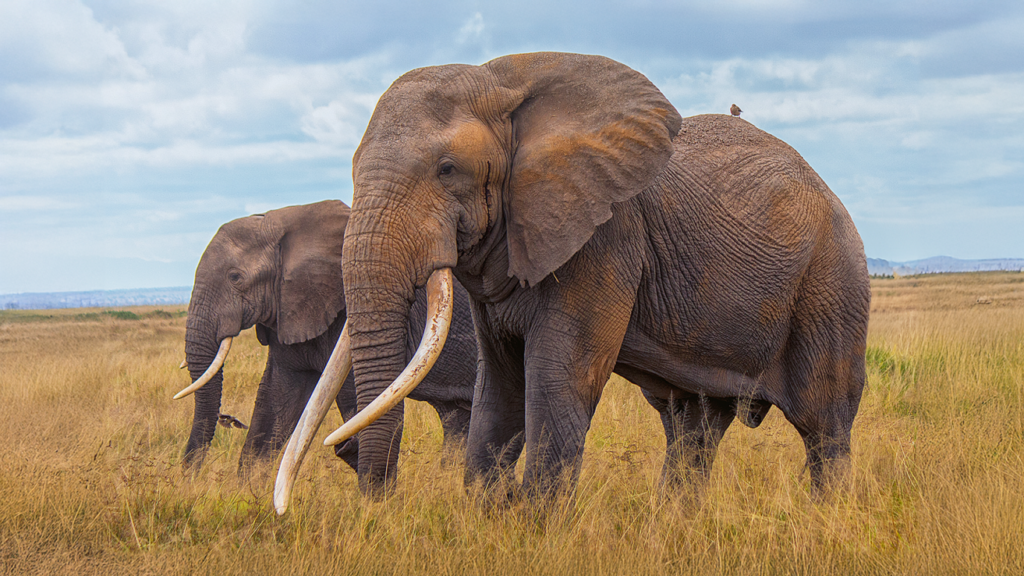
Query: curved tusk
pixel 218 361
pixel 327 388
pixel 439 320
pixel 184 364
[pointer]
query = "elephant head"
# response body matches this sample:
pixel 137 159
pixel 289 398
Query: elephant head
pixel 278 271
pixel 501 172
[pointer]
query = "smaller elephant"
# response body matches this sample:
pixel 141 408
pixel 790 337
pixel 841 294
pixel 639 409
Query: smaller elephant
pixel 281 273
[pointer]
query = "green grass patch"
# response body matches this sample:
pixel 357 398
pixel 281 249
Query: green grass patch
pixel 68 315
pixel 121 314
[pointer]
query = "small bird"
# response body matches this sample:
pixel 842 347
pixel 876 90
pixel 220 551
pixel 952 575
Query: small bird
pixel 229 421
pixel 735 110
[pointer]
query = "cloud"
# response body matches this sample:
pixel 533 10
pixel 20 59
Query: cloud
pixel 27 203
pixel 51 38
pixel 472 30
pixel 186 91
pixel 866 109
pixel 341 122
pixel 137 129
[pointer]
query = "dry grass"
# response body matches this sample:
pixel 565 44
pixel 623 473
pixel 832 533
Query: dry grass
pixel 90 479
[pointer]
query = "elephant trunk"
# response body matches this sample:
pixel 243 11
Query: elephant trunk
pixel 201 347
pixel 384 259
pixel 378 325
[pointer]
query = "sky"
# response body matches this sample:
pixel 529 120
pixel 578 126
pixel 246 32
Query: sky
pixel 130 131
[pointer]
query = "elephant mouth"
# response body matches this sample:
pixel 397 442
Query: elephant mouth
pixel 440 299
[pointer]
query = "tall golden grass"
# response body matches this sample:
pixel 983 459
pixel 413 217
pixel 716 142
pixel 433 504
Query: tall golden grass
pixel 90 477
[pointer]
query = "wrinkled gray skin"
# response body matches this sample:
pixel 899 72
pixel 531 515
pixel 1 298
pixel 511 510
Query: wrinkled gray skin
pixel 281 272
pixel 595 230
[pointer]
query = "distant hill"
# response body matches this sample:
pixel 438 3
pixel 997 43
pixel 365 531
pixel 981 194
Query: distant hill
pixel 95 298
pixel 938 264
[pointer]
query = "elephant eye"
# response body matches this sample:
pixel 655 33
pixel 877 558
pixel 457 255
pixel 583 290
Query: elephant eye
pixel 235 277
pixel 446 169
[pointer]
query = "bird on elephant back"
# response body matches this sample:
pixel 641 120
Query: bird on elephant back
pixel 281 272
pixel 596 230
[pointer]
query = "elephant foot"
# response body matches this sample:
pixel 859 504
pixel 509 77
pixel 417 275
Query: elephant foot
pixel 685 488
pixel 832 478
pixel 828 459
pixel 257 466
pixel 497 492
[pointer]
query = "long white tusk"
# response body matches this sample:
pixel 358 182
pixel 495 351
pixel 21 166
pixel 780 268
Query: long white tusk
pixel 319 404
pixel 439 320
pixel 184 364
pixel 218 361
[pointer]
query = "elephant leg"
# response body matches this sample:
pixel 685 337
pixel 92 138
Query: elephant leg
pixel 828 455
pixel 455 425
pixel 566 371
pixel 571 348
pixel 560 402
pixel 454 421
pixel 824 376
pixel 694 425
pixel 261 425
pixel 294 393
pixel 496 427
pixel 279 404
pixel 825 430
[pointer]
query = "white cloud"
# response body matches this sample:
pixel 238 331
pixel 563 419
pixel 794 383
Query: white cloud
pixel 32 158
pixel 867 82
pixel 191 93
pixel 472 30
pixel 919 139
pixel 28 203
pixel 897 107
pixel 341 122
pixel 54 36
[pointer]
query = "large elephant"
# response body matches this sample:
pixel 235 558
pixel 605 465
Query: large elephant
pixel 281 272
pixel 596 230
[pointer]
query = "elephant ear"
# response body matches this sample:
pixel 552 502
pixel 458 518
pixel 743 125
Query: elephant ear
pixel 588 132
pixel 309 259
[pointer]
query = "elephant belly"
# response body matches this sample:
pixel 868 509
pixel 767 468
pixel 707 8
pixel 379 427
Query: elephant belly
pixel 708 325
pixel 716 300
pixel 665 371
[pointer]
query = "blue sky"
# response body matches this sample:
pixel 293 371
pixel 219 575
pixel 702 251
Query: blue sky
pixel 130 131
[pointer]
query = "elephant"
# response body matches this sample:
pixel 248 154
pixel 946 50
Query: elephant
pixel 596 230
pixel 281 272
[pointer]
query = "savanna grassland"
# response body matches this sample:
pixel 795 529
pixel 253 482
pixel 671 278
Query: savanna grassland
pixel 91 442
